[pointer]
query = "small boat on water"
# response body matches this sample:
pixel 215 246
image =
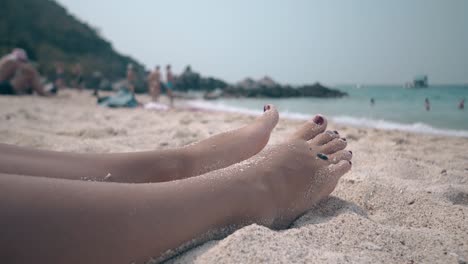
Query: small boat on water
pixel 420 81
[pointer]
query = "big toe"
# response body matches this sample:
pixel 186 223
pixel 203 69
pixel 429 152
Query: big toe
pixel 270 116
pixel 311 128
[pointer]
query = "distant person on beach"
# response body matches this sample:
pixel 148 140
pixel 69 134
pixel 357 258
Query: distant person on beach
pixel 461 105
pixel 59 207
pixel 170 84
pixel 131 78
pixel 97 79
pixel 427 104
pixel 10 62
pixel 18 76
pixel 78 81
pixel 59 76
pixel 372 101
pixel 154 83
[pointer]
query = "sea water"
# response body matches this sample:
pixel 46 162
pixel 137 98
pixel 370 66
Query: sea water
pixel 395 108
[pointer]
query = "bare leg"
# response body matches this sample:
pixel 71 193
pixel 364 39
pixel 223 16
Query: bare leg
pixel 61 221
pixel 216 152
pixel 155 90
pixel 171 96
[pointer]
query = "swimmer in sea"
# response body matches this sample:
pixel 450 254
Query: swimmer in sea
pixel 427 104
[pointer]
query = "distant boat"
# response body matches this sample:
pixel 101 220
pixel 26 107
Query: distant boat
pixel 420 81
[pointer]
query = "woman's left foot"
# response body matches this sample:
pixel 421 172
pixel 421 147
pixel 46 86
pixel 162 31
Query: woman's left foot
pixel 216 152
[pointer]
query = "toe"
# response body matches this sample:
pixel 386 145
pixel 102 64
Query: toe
pixel 270 116
pixel 340 155
pixel 333 146
pixel 339 169
pixel 324 138
pixel 311 128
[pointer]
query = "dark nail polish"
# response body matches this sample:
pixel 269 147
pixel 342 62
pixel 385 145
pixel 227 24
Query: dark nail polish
pixel 350 152
pixel 336 132
pixel 318 120
pixel 266 108
pixel 344 139
pixel 322 156
pixel 350 163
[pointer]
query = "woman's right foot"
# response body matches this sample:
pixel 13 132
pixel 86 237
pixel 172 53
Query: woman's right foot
pixel 300 172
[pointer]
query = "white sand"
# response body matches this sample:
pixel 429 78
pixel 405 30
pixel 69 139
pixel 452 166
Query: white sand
pixel 405 200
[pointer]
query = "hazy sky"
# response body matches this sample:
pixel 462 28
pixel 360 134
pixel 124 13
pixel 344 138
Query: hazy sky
pixel 332 41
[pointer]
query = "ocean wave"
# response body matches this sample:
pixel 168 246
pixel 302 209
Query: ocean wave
pixel 218 106
pixel 390 125
pixel 342 120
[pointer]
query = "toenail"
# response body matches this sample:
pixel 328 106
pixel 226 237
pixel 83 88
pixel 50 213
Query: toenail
pixel 322 156
pixel 266 107
pixel 336 132
pixel 350 152
pixel 344 139
pixel 318 120
pixel 350 163
pixel 330 133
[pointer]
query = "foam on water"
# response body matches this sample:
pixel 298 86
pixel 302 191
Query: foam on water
pixel 217 106
pixel 343 120
pixel 388 125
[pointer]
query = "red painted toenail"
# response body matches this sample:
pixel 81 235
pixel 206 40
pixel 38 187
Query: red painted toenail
pixel 318 120
pixel 266 108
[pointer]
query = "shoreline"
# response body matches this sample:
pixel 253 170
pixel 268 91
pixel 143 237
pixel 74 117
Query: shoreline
pixel 417 127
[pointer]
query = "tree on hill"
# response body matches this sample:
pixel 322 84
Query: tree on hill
pixel 50 34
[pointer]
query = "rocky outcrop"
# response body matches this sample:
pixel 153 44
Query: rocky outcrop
pixel 266 87
pixel 190 80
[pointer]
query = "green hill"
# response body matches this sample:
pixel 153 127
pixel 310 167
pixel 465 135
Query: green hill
pixel 50 34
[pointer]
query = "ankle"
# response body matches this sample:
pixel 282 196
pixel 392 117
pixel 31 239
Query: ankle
pixel 261 208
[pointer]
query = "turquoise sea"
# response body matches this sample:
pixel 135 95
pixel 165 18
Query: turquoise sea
pixel 395 107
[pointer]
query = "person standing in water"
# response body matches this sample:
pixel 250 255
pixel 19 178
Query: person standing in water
pixel 461 105
pixel 154 82
pixel 427 104
pixel 170 84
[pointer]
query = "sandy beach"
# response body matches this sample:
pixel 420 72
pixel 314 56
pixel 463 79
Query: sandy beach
pixel 405 200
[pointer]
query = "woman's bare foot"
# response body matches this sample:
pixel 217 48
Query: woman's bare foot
pixel 216 152
pixel 300 172
pixel 225 149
